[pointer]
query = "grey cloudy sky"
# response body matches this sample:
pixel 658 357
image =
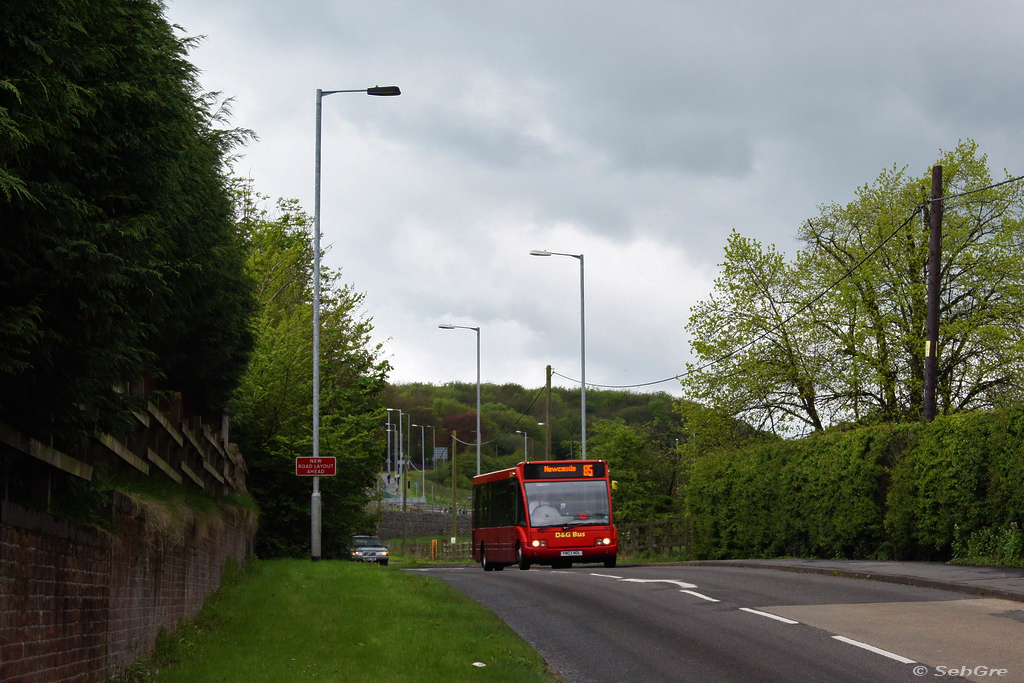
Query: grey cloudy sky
pixel 639 134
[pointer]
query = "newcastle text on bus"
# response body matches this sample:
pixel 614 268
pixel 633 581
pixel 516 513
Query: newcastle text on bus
pixel 554 512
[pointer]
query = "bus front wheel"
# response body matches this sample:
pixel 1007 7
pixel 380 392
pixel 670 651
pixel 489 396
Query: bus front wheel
pixel 524 564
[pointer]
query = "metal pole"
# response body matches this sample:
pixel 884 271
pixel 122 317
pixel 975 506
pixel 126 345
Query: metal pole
pixel 315 502
pixel 583 366
pixel 388 413
pixel 931 344
pixel 395 446
pixel 583 347
pixel 402 454
pixel 455 519
pixel 423 460
pixel 405 486
pixel 400 460
pixel 478 436
pixel 477 401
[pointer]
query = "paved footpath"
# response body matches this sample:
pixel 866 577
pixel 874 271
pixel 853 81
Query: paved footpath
pixel 994 582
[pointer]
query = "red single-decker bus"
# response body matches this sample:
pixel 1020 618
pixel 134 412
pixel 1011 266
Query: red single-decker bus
pixel 553 512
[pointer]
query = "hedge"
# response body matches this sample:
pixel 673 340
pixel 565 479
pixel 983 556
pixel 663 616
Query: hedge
pixel 908 491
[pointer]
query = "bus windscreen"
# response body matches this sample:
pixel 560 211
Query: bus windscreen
pixel 567 503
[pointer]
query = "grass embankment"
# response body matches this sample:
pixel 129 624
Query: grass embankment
pixel 290 620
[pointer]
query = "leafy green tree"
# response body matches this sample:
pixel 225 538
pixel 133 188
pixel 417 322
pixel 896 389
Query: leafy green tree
pixel 838 335
pixel 757 354
pixel 877 315
pixel 646 466
pixel 273 407
pixel 118 257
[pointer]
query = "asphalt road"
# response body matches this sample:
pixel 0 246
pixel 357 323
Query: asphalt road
pixel 722 624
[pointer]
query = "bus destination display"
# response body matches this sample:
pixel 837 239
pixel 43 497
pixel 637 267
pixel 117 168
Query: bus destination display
pixel 563 470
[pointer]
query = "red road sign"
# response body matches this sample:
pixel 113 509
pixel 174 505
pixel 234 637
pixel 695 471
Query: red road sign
pixel 316 467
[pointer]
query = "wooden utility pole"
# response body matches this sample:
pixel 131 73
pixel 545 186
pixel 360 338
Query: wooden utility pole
pixel 931 344
pixel 547 419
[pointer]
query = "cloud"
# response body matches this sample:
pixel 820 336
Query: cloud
pixel 639 134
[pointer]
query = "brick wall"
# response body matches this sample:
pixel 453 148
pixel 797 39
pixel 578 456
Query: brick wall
pixel 75 603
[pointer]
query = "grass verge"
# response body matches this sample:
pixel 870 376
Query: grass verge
pixel 290 620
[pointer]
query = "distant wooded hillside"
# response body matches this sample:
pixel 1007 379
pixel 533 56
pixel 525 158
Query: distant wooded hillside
pixel 508 408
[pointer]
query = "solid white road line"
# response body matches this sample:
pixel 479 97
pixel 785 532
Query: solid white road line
pixel 776 617
pixel 681 584
pixel 701 596
pixel 606 576
pixel 876 650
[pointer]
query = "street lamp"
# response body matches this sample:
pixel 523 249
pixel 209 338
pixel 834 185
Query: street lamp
pixel 477 330
pixel 315 503
pixel 405 470
pixel 423 458
pixel 526 453
pixel 583 348
pixel 399 459
pixel 388 451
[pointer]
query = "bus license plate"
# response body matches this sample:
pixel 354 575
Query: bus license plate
pixel 572 553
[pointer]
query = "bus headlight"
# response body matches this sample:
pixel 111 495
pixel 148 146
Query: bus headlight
pixel 539 543
pixel 603 541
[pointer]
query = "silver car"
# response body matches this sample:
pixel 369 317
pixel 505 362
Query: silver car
pixel 367 549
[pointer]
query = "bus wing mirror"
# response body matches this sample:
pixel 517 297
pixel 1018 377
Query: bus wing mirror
pixel 615 485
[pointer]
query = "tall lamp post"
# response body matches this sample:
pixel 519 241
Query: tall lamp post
pixel 526 453
pixel 583 349
pixel 399 448
pixel 388 451
pixel 477 330
pixel 423 458
pixel 315 503
pixel 405 470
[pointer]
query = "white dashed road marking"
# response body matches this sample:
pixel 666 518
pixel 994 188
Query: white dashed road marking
pixel 685 588
pixel 876 650
pixel 776 617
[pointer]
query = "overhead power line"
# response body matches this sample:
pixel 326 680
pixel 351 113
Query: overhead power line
pixel 810 302
pixel 518 420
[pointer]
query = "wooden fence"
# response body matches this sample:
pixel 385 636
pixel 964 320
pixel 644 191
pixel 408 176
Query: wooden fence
pixel 168 440
pixel 659 537
pixel 439 549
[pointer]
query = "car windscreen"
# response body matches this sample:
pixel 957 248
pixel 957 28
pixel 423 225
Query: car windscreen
pixel 367 541
pixel 573 503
